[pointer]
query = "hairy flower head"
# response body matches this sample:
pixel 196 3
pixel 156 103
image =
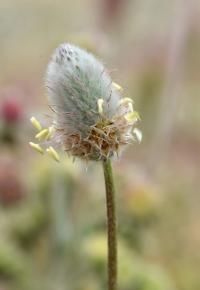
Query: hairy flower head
pixel 91 119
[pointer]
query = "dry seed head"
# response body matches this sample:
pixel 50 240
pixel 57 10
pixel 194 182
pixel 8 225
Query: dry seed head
pixel 91 119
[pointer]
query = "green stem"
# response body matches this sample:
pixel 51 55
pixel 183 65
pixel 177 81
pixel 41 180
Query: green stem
pixel 111 226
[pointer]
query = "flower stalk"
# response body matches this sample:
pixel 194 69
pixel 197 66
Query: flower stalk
pixel 111 225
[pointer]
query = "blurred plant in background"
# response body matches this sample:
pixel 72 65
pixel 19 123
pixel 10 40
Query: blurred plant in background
pixel 11 114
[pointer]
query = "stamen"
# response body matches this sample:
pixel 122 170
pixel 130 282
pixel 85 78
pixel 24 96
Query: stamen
pixel 125 101
pixel 42 135
pixel 36 123
pixel 117 87
pixel 100 106
pixel 133 116
pixel 138 134
pixel 130 106
pixel 37 147
pixel 50 133
pixel 52 152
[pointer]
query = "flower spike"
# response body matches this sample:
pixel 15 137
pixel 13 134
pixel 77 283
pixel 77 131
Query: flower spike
pixel 91 120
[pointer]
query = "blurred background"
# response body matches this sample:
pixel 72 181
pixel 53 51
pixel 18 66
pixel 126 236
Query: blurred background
pixel 52 216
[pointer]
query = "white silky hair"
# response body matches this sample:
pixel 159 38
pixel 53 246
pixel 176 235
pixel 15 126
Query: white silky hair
pixel 75 81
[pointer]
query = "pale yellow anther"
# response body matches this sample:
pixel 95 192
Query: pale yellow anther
pixel 125 101
pixel 100 105
pixel 130 106
pixel 117 87
pixel 36 123
pixel 52 153
pixel 138 134
pixel 42 135
pixel 50 133
pixel 131 117
pixel 37 147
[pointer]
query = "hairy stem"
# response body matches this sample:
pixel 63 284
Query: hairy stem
pixel 111 226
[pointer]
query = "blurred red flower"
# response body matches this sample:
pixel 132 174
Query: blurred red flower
pixel 11 111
